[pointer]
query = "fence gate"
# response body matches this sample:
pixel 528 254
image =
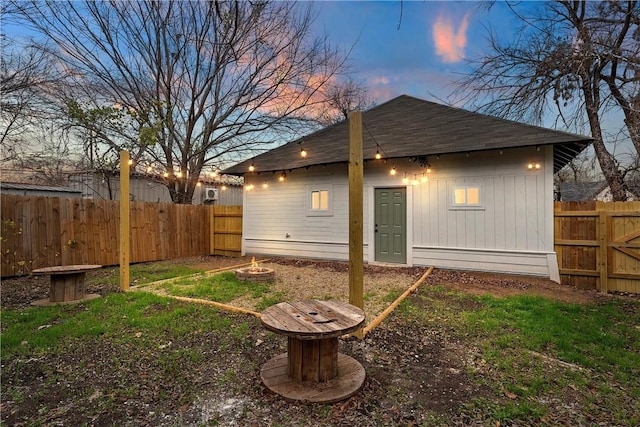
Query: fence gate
pixel 598 245
pixel 225 223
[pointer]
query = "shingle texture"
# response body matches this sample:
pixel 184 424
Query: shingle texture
pixel 408 127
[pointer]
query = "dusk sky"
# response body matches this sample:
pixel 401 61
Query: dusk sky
pixel 416 48
pixel 419 48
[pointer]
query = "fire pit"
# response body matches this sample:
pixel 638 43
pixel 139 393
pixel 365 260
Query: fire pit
pixel 255 273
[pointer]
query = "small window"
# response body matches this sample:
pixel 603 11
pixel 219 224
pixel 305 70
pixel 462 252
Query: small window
pixel 319 202
pixel 466 197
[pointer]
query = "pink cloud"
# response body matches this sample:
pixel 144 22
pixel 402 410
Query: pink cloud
pixel 381 80
pixel 450 43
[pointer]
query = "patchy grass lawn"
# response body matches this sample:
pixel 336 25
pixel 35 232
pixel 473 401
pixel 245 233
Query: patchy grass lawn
pixel 444 357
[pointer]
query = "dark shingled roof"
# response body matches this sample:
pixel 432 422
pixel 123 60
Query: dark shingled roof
pixel 409 127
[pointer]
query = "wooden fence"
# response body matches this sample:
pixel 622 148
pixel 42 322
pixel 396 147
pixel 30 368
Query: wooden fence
pixel 598 244
pixel 47 231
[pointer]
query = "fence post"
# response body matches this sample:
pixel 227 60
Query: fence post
pixel 124 221
pixel 603 241
pixel 212 229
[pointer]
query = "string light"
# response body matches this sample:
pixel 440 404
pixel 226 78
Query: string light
pixel 378 155
pixel 265 185
pixel 224 187
pixel 424 178
pixel 405 180
pixel 303 152
pixel 414 181
pixel 282 177
pixel 199 184
pixel 251 167
pixel 393 171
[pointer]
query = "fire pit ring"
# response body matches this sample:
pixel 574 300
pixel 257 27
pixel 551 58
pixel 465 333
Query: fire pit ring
pixel 255 273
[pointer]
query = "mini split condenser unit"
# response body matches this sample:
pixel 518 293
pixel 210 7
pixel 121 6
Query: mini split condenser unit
pixel 210 194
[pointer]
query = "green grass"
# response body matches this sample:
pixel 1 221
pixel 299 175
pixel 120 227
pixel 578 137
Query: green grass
pixel 595 337
pixel 525 340
pixel 222 287
pixel 140 274
pixel 36 330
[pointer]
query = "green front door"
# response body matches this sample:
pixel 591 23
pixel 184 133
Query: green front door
pixel 391 225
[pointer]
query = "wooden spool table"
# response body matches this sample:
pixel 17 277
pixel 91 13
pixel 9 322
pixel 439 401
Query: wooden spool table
pixel 67 284
pixel 312 370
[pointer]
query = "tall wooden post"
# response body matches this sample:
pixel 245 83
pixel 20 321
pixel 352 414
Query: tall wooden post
pixel 356 172
pixel 124 221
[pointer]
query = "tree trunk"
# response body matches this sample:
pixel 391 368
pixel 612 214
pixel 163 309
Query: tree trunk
pixel 612 174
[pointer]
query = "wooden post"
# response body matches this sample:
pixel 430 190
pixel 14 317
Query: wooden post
pixel 124 221
pixel 356 172
pixel 212 230
pixel 603 241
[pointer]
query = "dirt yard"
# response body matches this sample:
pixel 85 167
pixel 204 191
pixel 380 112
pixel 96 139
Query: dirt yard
pixel 412 369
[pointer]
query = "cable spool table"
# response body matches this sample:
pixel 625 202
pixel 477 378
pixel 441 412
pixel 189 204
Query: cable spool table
pixel 312 370
pixel 67 284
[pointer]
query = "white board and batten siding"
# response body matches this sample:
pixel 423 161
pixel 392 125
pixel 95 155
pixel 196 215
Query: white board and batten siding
pixel 276 219
pixel 511 232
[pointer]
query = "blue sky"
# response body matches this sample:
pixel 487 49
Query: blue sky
pixel 425 55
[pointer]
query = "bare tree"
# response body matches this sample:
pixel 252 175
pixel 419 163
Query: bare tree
pixel 579 59
pixel 205 82
pixel 344 97
pixel 26 81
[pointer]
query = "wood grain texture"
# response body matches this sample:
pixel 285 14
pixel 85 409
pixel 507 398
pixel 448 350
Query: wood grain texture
pixel 349 381
pixel 312 319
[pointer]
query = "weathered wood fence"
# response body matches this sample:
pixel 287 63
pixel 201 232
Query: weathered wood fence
pixel 598 245
pixel 47 231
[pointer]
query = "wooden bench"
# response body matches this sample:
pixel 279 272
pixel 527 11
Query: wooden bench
pixel 67 283
pixel 313 370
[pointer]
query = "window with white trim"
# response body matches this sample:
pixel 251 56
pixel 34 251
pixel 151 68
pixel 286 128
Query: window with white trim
pixel 466 197
pixel 319 203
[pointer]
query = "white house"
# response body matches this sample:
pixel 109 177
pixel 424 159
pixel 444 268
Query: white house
pixel 470 191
